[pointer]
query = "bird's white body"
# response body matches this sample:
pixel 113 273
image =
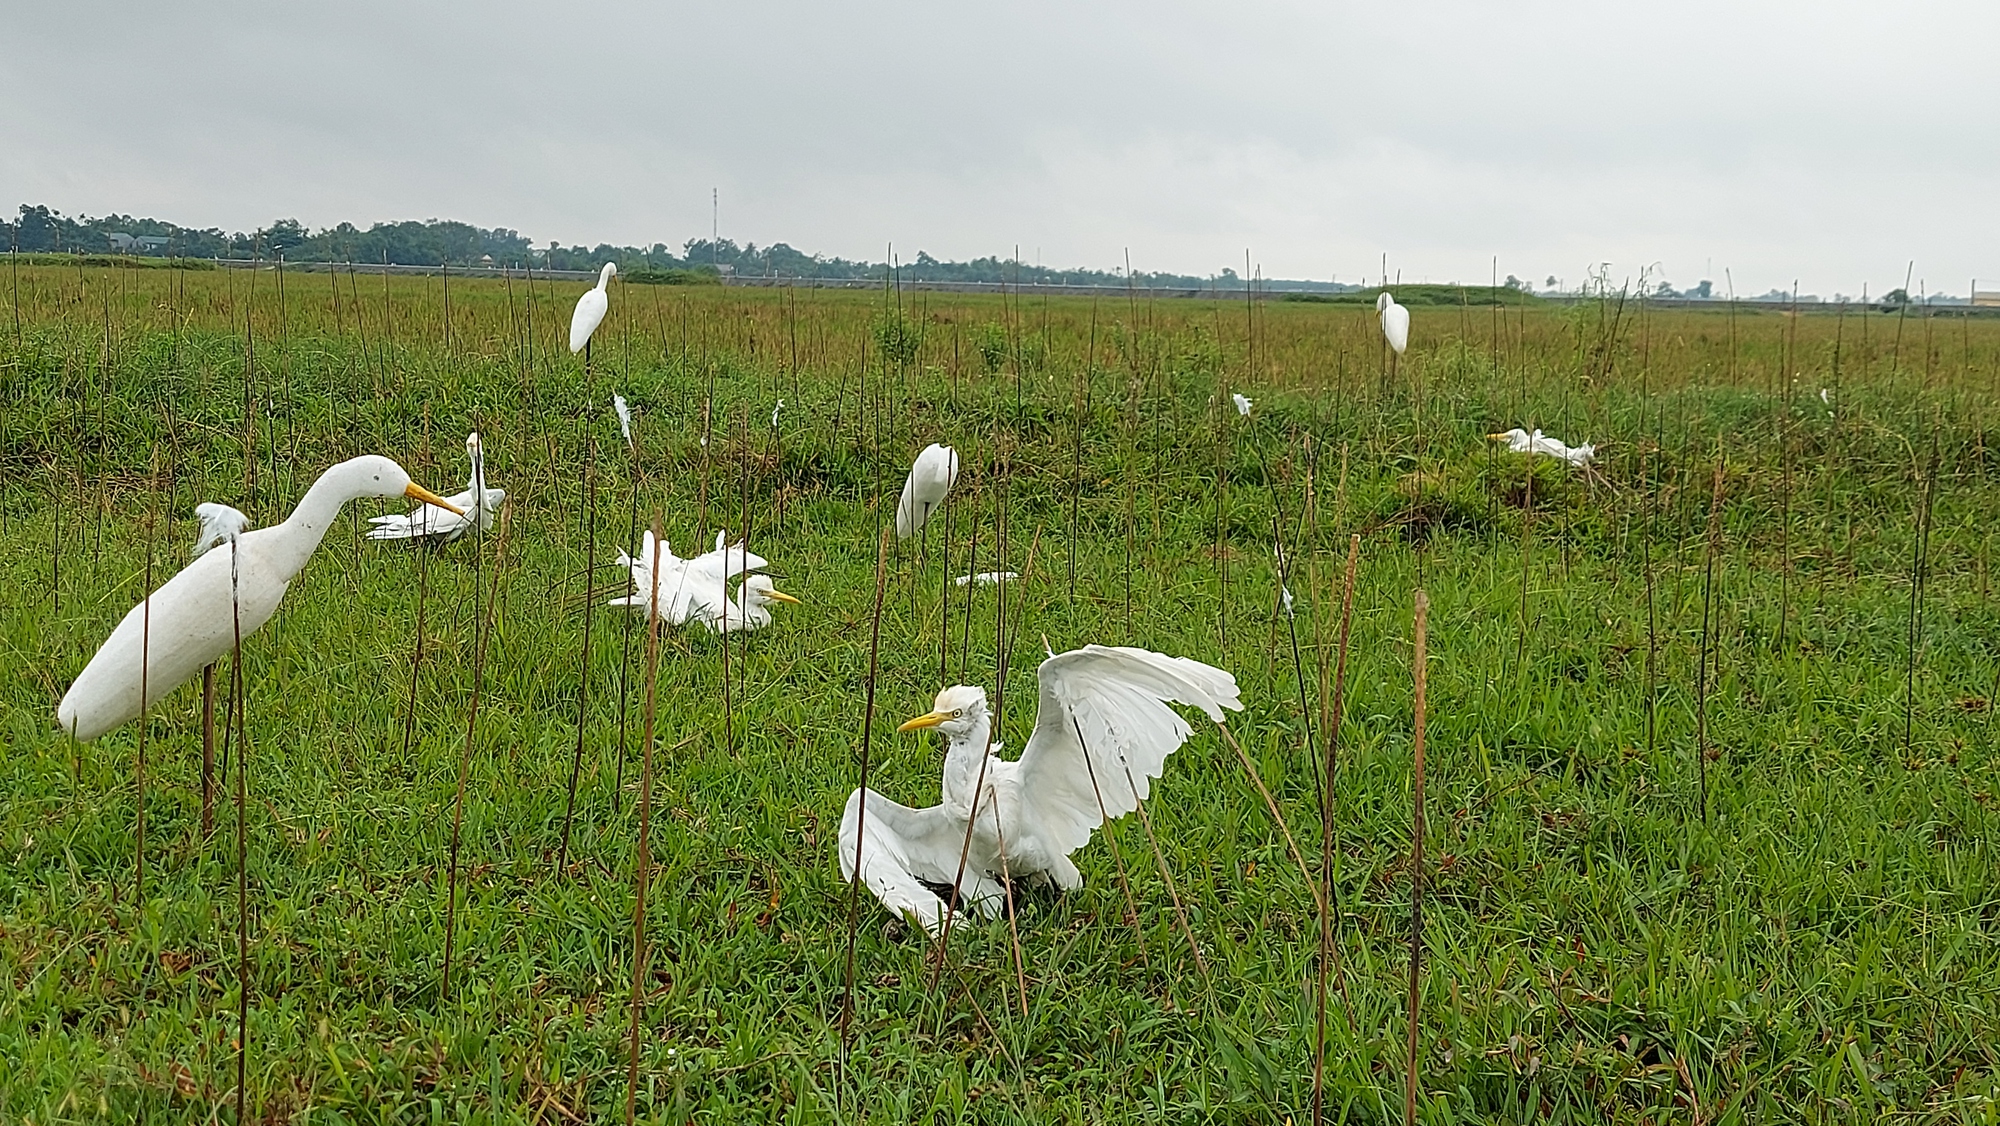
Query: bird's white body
pixel 1243 403
pixel 429 523
pixel 1395 322
pixel 987 578
pixel 698 589
pixel 1523 442
pixel 1034 811
pixel 190 622
pixel 932 476
pixel 590 310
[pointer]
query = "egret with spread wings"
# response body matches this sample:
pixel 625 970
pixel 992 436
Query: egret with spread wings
pixel 1103 731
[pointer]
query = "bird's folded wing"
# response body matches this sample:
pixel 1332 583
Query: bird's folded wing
pixel 906 515
pixel 1117 697
pixel 900 848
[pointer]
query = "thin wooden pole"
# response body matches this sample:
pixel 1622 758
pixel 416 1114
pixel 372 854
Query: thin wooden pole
pixel 1417 864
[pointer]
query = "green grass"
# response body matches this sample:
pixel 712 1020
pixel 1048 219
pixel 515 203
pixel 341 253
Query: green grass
pixel 1820 947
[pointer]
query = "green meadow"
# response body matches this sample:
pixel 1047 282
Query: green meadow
pixel 1711 770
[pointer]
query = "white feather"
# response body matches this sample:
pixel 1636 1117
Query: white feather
pixel 219 525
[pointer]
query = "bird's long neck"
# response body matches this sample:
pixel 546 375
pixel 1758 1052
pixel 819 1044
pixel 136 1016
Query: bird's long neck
pixel 479 491
pixel 301 532
pixel 963 756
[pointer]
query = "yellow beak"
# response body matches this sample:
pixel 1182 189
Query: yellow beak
pixel 781 596
pixel 1497 437
pixel 928 719
pixel 418 492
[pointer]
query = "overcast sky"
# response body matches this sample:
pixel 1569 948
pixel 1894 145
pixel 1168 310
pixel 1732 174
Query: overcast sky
pixel 1831 142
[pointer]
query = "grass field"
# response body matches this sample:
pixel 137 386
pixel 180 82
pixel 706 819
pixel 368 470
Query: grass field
pixel 1801 925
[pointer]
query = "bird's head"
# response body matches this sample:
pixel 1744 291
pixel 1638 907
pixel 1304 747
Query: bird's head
pixel 604 276
pixel 473 447
pixel 1383 301
pixel 372 475
pixel 759 591
pixel 956 712
pixel 1514 436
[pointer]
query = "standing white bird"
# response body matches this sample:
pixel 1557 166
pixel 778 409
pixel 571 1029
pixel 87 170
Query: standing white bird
pixel 590 310
pixel 933 475
pixel 427 522
pixel 191 621
pixel 698 589
pixel 1243 404
pixel 1522 442
pixel 1395 322
pixel 1103 731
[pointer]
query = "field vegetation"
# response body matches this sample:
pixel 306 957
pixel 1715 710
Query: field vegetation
pixel 1711 768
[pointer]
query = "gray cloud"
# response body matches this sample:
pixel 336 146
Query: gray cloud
pixel 1827 142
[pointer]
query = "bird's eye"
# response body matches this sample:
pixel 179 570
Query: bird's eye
pixel 956 712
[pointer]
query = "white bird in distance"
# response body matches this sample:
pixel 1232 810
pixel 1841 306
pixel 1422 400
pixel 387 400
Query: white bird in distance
pixel 437 524
pixel 931 477
pixel 698 589
pixel 1522 442
pixel 590 310
pixel 1103 732
pixel 987 578
pixel 189 622
pixel 1395 322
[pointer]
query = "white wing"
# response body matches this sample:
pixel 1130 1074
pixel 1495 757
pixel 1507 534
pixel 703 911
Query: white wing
pixel 1396 326
pixel 428 521
pixel 931 477
pixel 590 309
pixel 1118 697
pixel 219 524
pixel 724 563
pixel 901 849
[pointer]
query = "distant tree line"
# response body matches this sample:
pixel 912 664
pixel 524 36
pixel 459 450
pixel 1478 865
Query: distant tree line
pixel 436 242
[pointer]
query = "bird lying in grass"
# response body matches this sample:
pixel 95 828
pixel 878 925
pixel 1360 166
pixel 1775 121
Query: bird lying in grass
pixel 438 525
pixel 1522 442
pixel 1103 732
pixel 680 591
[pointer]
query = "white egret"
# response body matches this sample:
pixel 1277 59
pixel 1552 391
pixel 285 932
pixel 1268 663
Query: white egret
pixel 191 623
pixel 1243 404
pixel 987 578
pixel 1395 322
pixel 590 310
pixel 931 477
pixel 698 589
pixel 1522 442
pixel 428 523
pixel 1103 731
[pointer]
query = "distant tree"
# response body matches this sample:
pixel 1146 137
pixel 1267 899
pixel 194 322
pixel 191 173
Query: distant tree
pixel 1664 290
pixel 1551 283
pixel 1896 297
pixel 1515 283
pixel 282 235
